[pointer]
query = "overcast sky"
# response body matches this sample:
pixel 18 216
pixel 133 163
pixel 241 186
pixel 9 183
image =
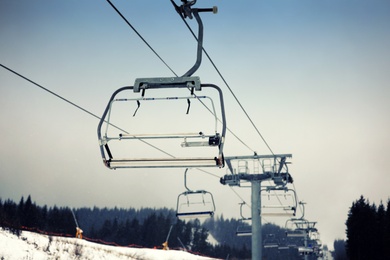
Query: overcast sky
pixel 312 75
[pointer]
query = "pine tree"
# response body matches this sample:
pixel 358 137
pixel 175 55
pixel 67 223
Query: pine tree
pixel 105 232
pixel 339 250
pixel 199 241
pixel 30 216
pixel 186 237
pixel 43 218
pixel 20 212
pixel 150 231
pixel 387 231
pixel 380 232
pixel 11 214
pixel 135 232
pixel 355 222
pixel 362 231
pixel 2 215
pixel 122 237
pixel 164 224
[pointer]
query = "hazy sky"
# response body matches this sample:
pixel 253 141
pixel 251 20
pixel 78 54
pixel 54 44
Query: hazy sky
pixel 312 75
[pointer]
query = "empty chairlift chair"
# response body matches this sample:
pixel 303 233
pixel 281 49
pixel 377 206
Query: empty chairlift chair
pixel 278 202
pixel 244 227
pixel 124 148
pixel 271 242
pixel 194 204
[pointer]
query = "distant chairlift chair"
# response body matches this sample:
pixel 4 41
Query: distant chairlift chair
pixel 271 242
pixel 243 228
pixel 194 204
pixel 278 202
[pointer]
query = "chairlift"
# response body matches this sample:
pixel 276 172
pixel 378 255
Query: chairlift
pixel 300 227
pixel 297 223
pixel 308 226
pixel 123 141
pixel 118 146
pixel 271 241
pixel 278 202
pixel 194 204
pixel 243 228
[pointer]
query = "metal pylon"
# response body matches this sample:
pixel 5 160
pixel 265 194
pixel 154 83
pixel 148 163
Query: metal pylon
pixel 255 179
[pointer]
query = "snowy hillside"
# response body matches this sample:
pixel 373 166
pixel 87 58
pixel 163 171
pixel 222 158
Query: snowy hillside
pixel 35 246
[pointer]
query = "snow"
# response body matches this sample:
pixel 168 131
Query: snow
pixel 211 239
pixel 36 246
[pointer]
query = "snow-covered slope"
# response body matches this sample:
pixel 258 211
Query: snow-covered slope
pixel 35 246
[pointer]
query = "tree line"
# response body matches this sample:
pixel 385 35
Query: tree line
pixel 145 227
pixel 28 214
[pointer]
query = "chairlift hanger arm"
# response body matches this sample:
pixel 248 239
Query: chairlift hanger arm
pixel 200 46
pixel 185 179
pixel 186 10
pixel 242 216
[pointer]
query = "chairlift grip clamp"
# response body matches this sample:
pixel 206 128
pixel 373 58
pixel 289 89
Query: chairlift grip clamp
pixel 167 82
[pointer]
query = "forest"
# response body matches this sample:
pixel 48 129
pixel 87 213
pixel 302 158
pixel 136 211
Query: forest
pixel 145 227
pixel 367 231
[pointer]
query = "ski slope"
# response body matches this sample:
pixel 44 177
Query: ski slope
pixel 36 246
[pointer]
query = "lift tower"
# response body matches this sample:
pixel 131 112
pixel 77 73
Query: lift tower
pixel 265 167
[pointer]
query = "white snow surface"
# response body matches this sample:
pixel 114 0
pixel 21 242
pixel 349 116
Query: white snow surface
pixel 36 246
